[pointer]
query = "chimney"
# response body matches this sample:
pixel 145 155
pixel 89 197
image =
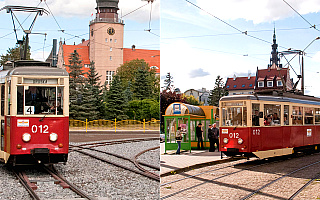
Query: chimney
pixel 54 53
pixel 249 76
pixel 234 77
pixel 133 47
pixel 83 40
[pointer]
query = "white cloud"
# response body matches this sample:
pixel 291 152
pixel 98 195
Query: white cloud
pixel 316 57
pixel 258 11
pixel 198 73
pixel 84 8
pixel 180 59
pixel 40 55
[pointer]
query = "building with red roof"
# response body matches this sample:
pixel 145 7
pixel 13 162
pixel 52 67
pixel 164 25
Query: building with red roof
pixel 241 85
pixel 105 45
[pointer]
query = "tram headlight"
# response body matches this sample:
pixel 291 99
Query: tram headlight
pixel 240 141
pixel 26 137
pixel 225 140
pixel 53 137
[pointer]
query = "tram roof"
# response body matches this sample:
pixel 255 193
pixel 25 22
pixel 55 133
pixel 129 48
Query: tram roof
pixel 38 71
pixel 287 97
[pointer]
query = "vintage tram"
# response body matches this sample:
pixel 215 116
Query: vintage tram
pixel 34 113
pixel 271 125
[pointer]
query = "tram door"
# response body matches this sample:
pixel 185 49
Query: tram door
pixel 2 90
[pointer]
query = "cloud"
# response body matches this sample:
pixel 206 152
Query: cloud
pixel 257 11
pixel 84 8
pixel 198 73
pixel 40 55
pixel 316 57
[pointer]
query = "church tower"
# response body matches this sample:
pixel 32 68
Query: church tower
pixel 274 60
pixel 106 39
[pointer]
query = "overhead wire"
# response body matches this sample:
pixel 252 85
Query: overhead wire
pixel 311 26
pixel 243 32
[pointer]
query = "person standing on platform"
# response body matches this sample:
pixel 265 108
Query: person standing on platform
pixel 199 133
pixel 178 139
pixel 215 132
pixel 210 136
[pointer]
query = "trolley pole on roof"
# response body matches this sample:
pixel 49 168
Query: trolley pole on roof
pixel 38 11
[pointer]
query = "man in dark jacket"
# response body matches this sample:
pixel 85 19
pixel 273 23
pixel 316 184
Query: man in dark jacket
pixel 210 136
pixel 215 132
pixel 199 136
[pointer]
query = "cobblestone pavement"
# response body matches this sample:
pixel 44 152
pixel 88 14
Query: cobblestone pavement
pixel 245 179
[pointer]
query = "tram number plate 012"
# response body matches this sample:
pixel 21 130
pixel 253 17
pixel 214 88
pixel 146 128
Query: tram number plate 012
pixel 256 131
pixel 234 135
pixel 40 129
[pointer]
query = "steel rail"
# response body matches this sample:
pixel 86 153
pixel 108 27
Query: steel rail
pixel 119 156
pixel 137 164
pixel 219 177
pixel 268 184
pixel 72 187
pixel 24 183
pixel 118 165
pixel 115 142
pixel 303 187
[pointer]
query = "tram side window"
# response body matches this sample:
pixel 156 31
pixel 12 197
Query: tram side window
pixel 272 115
pixel 285 115
pixel 308 115
pixel 60 101
pixel 20 97
pixel 255 114
pixel 2 99
pixel 317 116
pixel 297 115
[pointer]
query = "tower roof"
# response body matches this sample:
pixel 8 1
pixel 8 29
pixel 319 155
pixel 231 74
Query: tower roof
pixel 107 4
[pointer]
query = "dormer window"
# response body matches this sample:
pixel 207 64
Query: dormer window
pixel 279 83
pixel 260 84
pixel 270 84
pixel 235 86
pixel 243 85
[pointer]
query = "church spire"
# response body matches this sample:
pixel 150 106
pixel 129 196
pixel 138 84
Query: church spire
pixel 274 60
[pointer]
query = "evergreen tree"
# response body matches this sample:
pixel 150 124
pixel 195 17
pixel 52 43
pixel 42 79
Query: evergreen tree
pixel 142 88
pixel 93 84
pixel 218 92
pixel 88 108
pixel 129 71
pixel 115 103
pixel 128 94
pixel 168 83
pixel 76 80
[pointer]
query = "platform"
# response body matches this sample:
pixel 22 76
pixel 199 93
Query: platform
pixel 171 163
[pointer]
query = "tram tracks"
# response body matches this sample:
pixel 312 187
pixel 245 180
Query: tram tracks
pixel 31 184
pixel 132 164
pixel 245 189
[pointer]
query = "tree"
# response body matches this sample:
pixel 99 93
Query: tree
pixel 143 109
pixel 218 92
pixel 142 88
pixel 115 103
pixel 192 100
pixel 128 72
pixel 76 80
pixel 167 98
pixel 13 54
pixel 93 84
pixel 168 83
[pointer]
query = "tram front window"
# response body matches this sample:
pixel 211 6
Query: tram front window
pixel 234 116
pixel 42 100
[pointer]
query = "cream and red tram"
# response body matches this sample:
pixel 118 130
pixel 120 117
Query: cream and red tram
pixel 267 126
pixel 34 113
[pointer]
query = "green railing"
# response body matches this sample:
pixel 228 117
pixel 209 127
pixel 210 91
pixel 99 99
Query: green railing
pixel 114 125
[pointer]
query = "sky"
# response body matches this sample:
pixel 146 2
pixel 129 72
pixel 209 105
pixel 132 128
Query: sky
pixel 73 17
pixel 202 39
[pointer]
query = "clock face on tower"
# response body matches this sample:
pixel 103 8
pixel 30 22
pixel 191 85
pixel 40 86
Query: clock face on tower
pixel 111 31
